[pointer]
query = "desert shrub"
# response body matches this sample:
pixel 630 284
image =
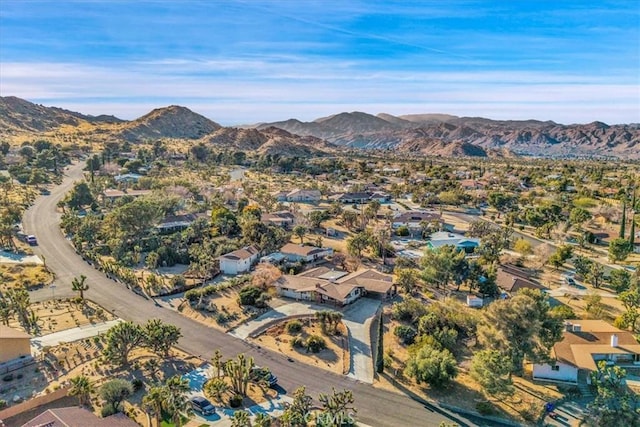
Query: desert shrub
pixel 8 377
pixel 294 327
pixel 3 403
pixel 485 408
pixel 409 310
pixel 297 342
pixel 235 401
pixel 137 384
pixel 563 312
pixel 406 334
pixel 315 343
pixel 262 300
pixel 107 411
pixel 403 230
pixel 249 295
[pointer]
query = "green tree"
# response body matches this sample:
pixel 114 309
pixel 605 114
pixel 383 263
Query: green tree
pixel 78 285
pixel 431 365
pixel 619 249
pixel 217 362
pixel 521 327
pixel 491 369
pixel 114 392
pixel 152 403
pixel 358 243
pixel 579 216
pixel 560 256
pixel 160 336
pixel 620 280
pixel 223 221
pixel 523 247
pixel 296 413
pixel 176 401
pixel 407 279
pixel 614 404
pixel 262 420
pixel 444 265
pixel 631 301
pixel 582 265
pixel 81 386
pixel 596 274
pixel 300 231
pixel 317 217
pixel 121 339
pixel 80 196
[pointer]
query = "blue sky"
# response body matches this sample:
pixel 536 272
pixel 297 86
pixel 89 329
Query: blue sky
pixel 251 61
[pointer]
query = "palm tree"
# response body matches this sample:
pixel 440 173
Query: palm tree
pixel 81 387
pixel 152 403
pixel 176 401
pixel 78 285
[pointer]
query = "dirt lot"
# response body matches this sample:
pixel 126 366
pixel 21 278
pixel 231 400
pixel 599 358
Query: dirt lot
pixel 29 276
pixel 334 358
pixel 57 316
pixel 221 311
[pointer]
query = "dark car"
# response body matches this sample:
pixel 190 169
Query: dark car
pixel 202 405
pixel 31 240
pixel 258 373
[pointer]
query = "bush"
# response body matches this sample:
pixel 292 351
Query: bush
pixel 403 230
pixel 249 295
pixel 262 300
pixel 107 411
pixel 485 408
pixel 380 349
pixel 315 343
pixel 294 327
pixel 235 401
pixel 3 403
pixel 8 378
pixel 297 342
pixel 137 384
pixel 409 310
pixel 406 334
pixel 563 311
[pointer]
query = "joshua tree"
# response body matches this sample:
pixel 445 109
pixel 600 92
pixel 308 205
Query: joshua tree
pixel 78 285
pixel 239 370
pixel 217 362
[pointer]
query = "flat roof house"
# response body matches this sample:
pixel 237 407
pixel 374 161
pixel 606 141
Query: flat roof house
pixel 239 261
pixel 584 344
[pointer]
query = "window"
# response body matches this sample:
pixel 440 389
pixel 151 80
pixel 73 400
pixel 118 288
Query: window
pixel 555 368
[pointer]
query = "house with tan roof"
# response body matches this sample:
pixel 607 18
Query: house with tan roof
pixel 78 417
pixel 300 196
pixel 294 252
pixel 511 279
pixel 322 284
pixel 14 344
pixel 584 344
pixel 239 261
pixel 415 219
pixel 282 219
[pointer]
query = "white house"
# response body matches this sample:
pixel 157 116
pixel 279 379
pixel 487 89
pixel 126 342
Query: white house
pixel 305 196
pixel 319 290
pixel 239 261
pixel 584 344
pixel 295 253
pixel 415 219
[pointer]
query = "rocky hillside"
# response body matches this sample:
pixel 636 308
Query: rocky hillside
pixel 474 135
pixel 169 122
pixel 270 140
pixel 25 120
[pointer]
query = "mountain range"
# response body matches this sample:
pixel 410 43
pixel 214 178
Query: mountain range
pixel 452 135
pixel 415 134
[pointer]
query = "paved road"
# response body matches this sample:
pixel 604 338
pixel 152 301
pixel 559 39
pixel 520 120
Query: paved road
pixel 375 407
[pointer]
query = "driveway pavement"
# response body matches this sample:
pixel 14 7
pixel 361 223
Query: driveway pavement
pixel 14 258
pixel 70 335
pixel 562 290
pixel 357 317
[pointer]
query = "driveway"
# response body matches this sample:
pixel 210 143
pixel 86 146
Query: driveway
pixel 14 258
pixel 357 317
pixel 562 290
pixel 198 377
pixel 71 335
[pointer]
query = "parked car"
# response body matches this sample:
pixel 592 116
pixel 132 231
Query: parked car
pixel 569 280
pixel 31 240
pixel 202 405
pixel 258 373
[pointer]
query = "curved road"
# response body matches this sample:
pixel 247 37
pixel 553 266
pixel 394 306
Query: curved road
pixel 376 407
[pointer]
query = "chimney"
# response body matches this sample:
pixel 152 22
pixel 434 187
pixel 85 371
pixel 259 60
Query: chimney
pixel 614 341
